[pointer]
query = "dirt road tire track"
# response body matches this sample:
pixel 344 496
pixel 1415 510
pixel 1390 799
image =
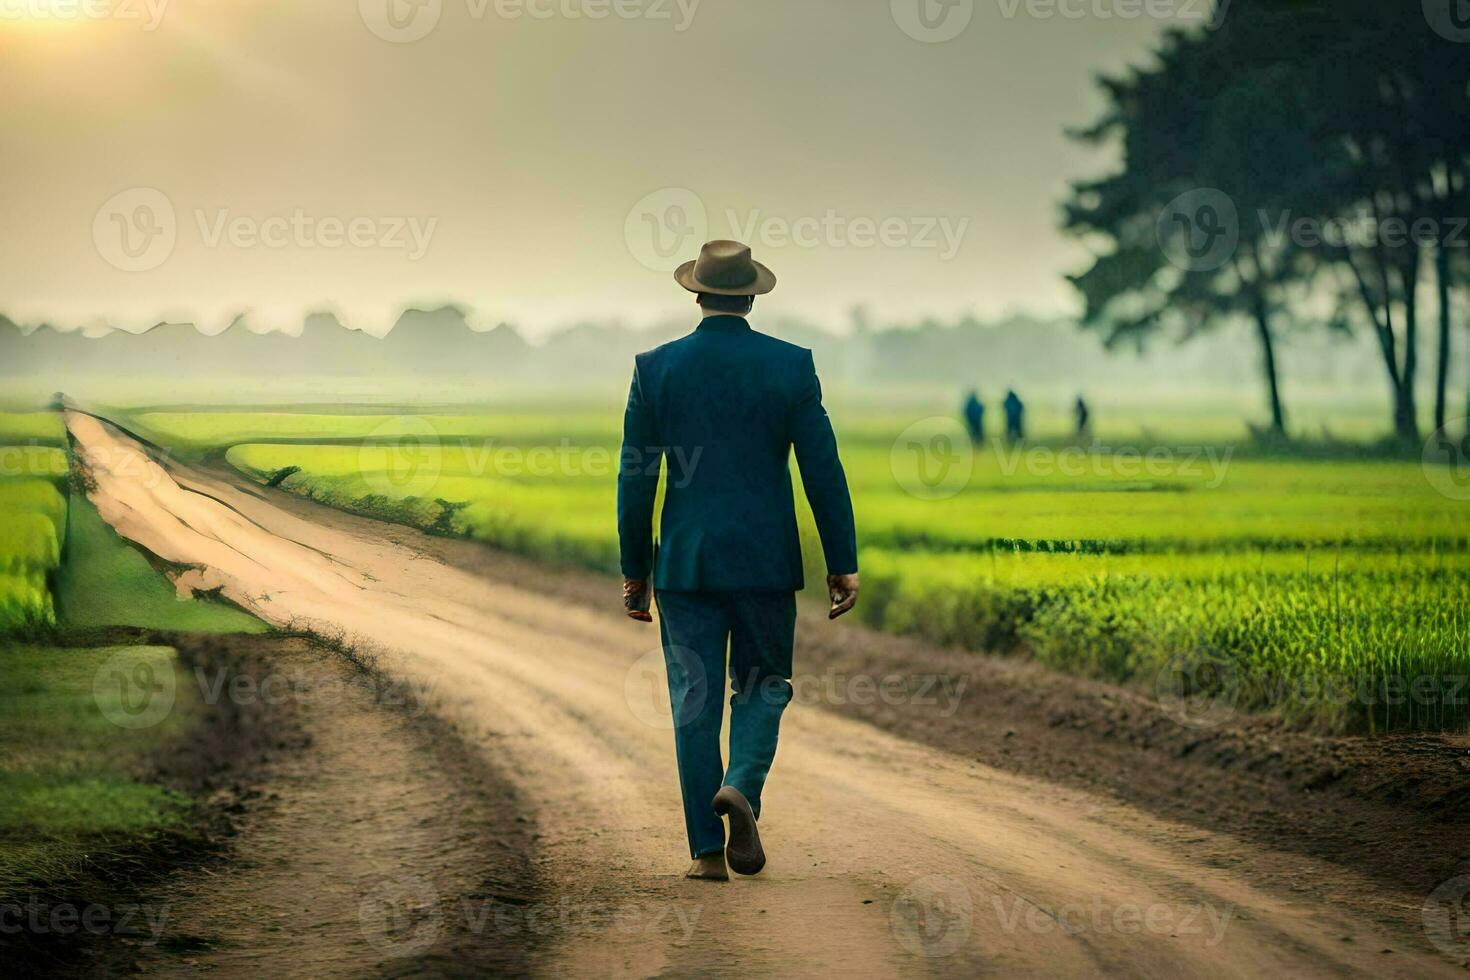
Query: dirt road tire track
pixel 954 868
pixel 372 847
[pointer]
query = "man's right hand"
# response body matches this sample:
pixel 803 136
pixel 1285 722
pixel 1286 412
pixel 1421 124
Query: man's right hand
pixel 843 591
pixel 636 596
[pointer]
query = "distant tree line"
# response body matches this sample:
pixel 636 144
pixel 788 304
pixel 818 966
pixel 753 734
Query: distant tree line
pixel 1302 166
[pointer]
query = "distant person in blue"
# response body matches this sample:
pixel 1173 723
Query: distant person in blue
pixel 1084 418
pixel 723 408
pixel 1015 417
pixel 975 418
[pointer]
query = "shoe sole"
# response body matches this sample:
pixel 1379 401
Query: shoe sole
pixel 743 853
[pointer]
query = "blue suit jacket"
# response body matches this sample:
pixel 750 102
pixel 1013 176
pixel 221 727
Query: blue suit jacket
pixel 722 408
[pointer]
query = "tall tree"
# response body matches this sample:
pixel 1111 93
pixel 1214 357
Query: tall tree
pixel 1350 114
pixel 1204 148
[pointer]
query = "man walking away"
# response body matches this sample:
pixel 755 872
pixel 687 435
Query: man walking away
pixel 724 407
pixel 975 418
pixel 1015 417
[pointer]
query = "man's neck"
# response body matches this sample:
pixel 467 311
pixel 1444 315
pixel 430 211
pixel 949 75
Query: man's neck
pixel 710 313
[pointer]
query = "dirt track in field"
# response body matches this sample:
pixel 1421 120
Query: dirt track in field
pixel 886 857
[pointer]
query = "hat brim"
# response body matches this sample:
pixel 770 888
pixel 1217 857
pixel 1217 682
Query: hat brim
pixel 764 282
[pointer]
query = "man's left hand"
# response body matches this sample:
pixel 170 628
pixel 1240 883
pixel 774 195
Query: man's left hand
pixel 636 596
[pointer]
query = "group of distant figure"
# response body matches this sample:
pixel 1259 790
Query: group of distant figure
pixel 1015 412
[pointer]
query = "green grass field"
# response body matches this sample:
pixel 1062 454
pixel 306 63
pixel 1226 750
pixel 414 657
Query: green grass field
pixel 70 792
pixel 1134 562
pixel 73 784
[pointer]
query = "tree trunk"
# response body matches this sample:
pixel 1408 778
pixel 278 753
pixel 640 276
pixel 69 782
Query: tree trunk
pixel 1380 315
pixel 1268 365
pixel 1408 413
pixel 1442 369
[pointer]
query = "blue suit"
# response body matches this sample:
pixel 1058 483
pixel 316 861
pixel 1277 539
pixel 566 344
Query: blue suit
pixel 722 409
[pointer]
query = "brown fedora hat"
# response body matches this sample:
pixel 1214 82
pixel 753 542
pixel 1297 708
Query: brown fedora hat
pixel 726 269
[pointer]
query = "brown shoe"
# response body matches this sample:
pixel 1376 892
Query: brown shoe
pixel 708 867
pixel 743 851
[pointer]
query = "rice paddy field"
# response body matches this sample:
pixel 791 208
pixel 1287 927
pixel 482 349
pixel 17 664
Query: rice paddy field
pixel 33 470
pixel 1330 588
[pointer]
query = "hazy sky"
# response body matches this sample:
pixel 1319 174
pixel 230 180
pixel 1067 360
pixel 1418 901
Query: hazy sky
pixel 195 158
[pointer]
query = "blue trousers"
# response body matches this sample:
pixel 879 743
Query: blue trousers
pixel 759 629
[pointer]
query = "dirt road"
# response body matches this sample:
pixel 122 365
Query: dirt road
pixel 885 857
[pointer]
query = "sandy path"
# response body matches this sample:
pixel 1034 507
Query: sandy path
pixel 886 857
